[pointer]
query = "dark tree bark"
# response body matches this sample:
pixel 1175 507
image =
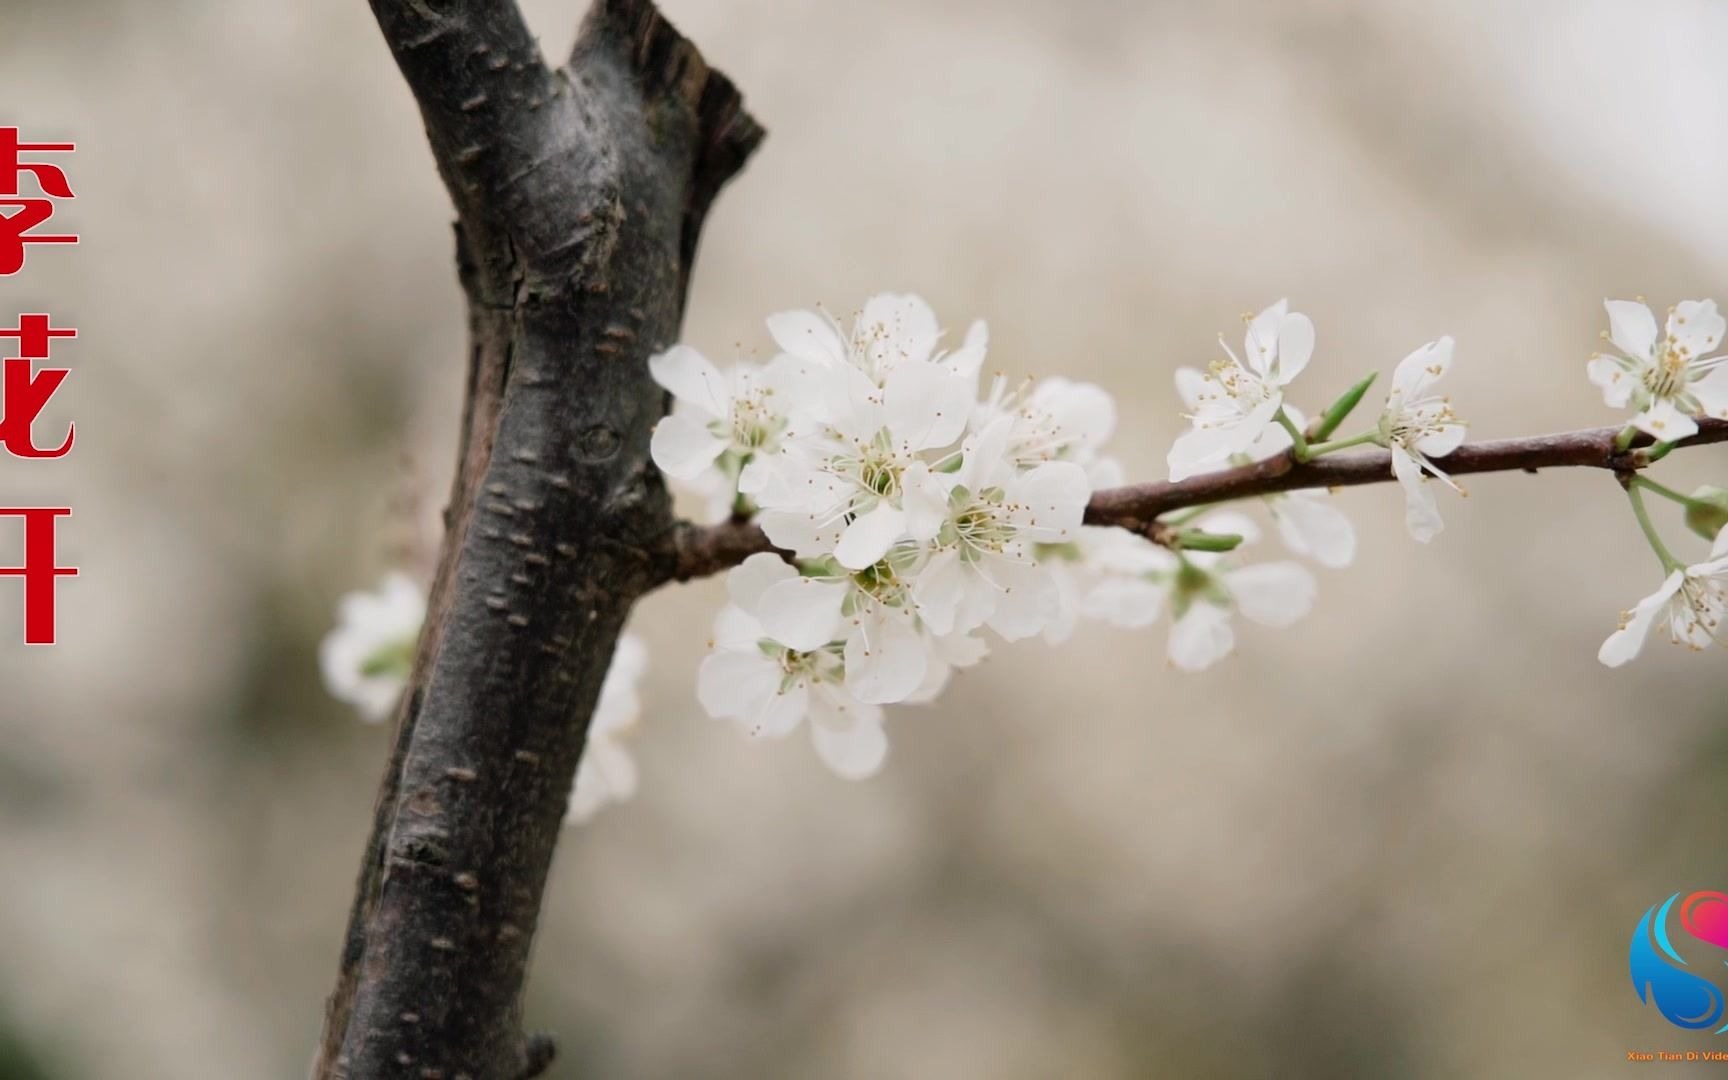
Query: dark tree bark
pixel 580 192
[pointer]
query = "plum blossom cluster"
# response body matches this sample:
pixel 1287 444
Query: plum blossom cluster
pixel 367 657
pixel 918 514
pixel 921 509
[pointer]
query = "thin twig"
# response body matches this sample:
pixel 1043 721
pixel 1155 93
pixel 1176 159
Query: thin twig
pixel 694 551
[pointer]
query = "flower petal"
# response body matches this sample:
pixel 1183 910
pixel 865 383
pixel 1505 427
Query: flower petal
pixel 894 329
pixel 854 750
pixel 1310 524
pixel 1272 594
pixel 1440 443
pixel 1632 328
pixel 1082 412
pixel 1260 342
pixel 1130 603
pixel 808 336
pixel 1202 450
pixel 869 536
pixel 968 360
pixel 1201 637
pixel 1027 601
pixel 1050 501
pixel 925 406
pixel 924 497
pixel 802 613
pixel 1295 347
pixel 885 660
pixel 1696 326
pixel 731 685
pixel 1191 383
pixel 606 775
pixel 1663 421
pixel 691 379
pixel 937 590
pixel 1612 375
pixel 801 533
pixel 1421 511
pixel 1420 370
pixel 1625 643
pixel 683 447
pixel 1712 392
pixel 746 582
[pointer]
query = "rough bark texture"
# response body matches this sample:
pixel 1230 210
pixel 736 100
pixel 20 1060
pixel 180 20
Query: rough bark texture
pixel 580 193
pixel 693 551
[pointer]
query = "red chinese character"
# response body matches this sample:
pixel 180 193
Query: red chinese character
pixel 39 570
pixel 14 226
pixel 24 396
pixel 50 177
pixel 34 334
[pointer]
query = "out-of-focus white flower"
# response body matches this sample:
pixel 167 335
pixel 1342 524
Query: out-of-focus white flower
pixel 367 657
pixel 892 330
pixel 1691 603
pixel 723 424
pixel 1139 581
pixel 982 566
pixel 607 773
pixel 1672 381
pixel 1231 405
pixel 769 689
pixel 1310 524
pixel 1418 426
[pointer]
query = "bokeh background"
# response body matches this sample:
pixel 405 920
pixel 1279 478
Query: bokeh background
pixel 1409 838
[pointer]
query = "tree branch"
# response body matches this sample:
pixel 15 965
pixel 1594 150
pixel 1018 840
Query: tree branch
pixel 693 551
pixel 580 193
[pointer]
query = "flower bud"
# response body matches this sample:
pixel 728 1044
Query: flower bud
pixel 1707 513
pixel 1341 408
pixel 1197 540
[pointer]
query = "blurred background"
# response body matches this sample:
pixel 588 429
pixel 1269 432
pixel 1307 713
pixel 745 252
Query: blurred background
pixel 1411 837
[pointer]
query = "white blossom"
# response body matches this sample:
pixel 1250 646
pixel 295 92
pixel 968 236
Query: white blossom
pixel 869 613
pixel 723 424
pixel 1418 426
pixel 892 330
pixel 1691 603
pixel 1310 524
pixel 852 488
pixel 1054 419
pixel 1672 381
pixel 982 567
pixel 1139 581
pixel 607 773
pixel 1232 405
pixel 770 689
pixel 366 658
